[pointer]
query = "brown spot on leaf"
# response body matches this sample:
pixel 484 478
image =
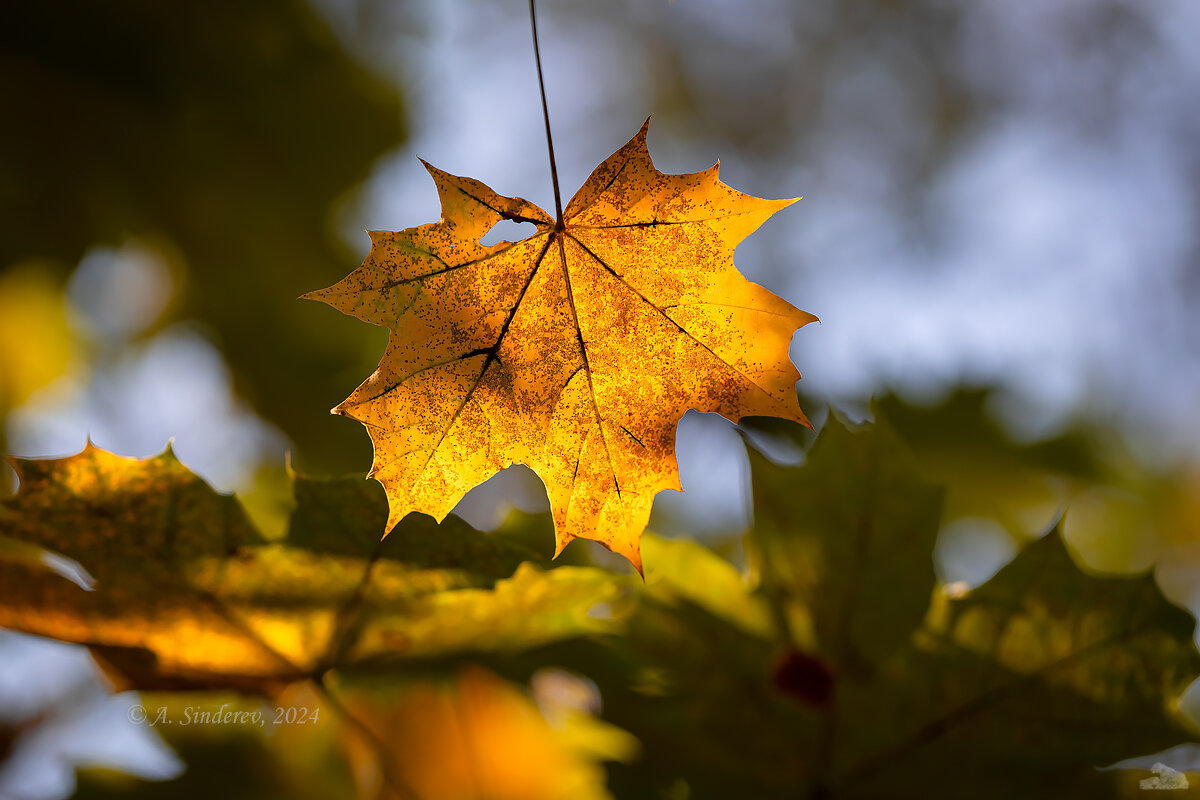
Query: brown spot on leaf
pixel 804 677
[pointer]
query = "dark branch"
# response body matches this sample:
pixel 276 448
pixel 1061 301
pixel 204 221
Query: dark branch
pixel 537 55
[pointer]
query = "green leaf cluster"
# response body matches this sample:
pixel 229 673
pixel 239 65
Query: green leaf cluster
pixel 827 660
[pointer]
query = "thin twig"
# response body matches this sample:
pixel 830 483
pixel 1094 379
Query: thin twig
pixel 318 677
pixel 399 787
pixel 537 55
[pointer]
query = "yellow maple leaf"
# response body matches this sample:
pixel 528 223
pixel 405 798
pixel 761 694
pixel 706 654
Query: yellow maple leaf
pixel 478 738
pixel 574 351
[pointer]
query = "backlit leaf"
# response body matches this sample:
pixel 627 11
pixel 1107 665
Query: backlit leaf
pixel 188 594
pixel 891 685
pixel 574 351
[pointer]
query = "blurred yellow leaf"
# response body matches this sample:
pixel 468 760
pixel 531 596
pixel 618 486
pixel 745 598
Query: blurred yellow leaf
pixel 574 351
pixel 188 594
pixel 1136 517
pixel 35 344
pixel 478 738
pixel 698 575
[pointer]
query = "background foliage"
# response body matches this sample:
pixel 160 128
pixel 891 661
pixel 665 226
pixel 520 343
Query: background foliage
pixel 180 174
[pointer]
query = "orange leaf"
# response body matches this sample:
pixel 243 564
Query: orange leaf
pixel 478 738
pixel 574 351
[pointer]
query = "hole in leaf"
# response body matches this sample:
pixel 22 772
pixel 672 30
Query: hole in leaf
pixel 488 505
pixel 508 230
pixel 9 482
pixel 69 568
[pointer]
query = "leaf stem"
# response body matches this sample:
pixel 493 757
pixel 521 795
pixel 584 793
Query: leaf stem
pixel 399 788
pixel 537 55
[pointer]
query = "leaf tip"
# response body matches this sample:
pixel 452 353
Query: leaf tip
pixel 561 542
pixel 781 204
pixel 435 173
pixel 639 139
pixel 396 513
pixel 631 550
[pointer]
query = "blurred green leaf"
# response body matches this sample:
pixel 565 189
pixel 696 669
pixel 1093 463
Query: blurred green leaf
pixel 959 443
pixel 1023 687
pixel 1020 688
pixel 848 536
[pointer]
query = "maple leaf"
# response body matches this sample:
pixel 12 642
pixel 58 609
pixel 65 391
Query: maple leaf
pixel 574 351
pixel 189 595
pixel 846 671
